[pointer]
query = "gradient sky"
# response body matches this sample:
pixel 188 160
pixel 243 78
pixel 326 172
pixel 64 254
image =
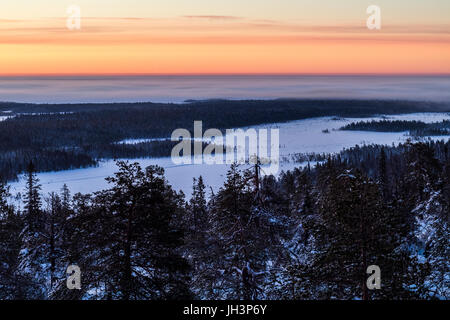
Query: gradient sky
pixel 212 36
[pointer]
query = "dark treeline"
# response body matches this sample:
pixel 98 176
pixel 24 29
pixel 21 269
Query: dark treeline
pixel 305 157
pixel 345 107
pixel 13 163
pixel 310 234
pixel 415 128
pixel 366 157
pixel 156 148
pixel 155 121
pixel 83 133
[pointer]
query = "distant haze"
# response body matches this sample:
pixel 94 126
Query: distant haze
pixel 180 88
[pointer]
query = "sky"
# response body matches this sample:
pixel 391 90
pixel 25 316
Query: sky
pixel 224 37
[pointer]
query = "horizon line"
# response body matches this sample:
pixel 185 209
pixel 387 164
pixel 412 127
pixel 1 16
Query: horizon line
pixel 214 74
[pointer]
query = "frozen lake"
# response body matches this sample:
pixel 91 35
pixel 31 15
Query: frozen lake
pixel 302 136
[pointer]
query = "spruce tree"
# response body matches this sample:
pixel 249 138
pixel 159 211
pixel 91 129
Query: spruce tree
pixel 33 200
pixel 34 263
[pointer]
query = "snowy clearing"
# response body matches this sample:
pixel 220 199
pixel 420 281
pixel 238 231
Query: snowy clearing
pixel 302 136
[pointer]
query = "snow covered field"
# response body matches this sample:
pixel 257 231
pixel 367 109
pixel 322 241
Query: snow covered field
pixel 302 136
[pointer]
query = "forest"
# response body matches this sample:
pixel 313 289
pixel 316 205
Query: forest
pixel 67 136
pixel 309 234
pixel 414 128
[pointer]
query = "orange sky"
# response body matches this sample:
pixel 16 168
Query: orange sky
pixel 219 44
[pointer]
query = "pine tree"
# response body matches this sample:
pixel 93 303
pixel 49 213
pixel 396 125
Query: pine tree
pixel 423 171
pixel 198 209
pixel 200 247
pixel 79 244
pixel 131 239
pixel 354 230
pixel 437 254
pixel 10 227
pixel 244 232
pixel 55 234
pixel 434 215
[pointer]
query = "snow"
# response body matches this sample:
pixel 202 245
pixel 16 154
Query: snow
pixel 137 141
pixel 3 118
pixel 307 136
pixel 302 136
pixel 426 216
